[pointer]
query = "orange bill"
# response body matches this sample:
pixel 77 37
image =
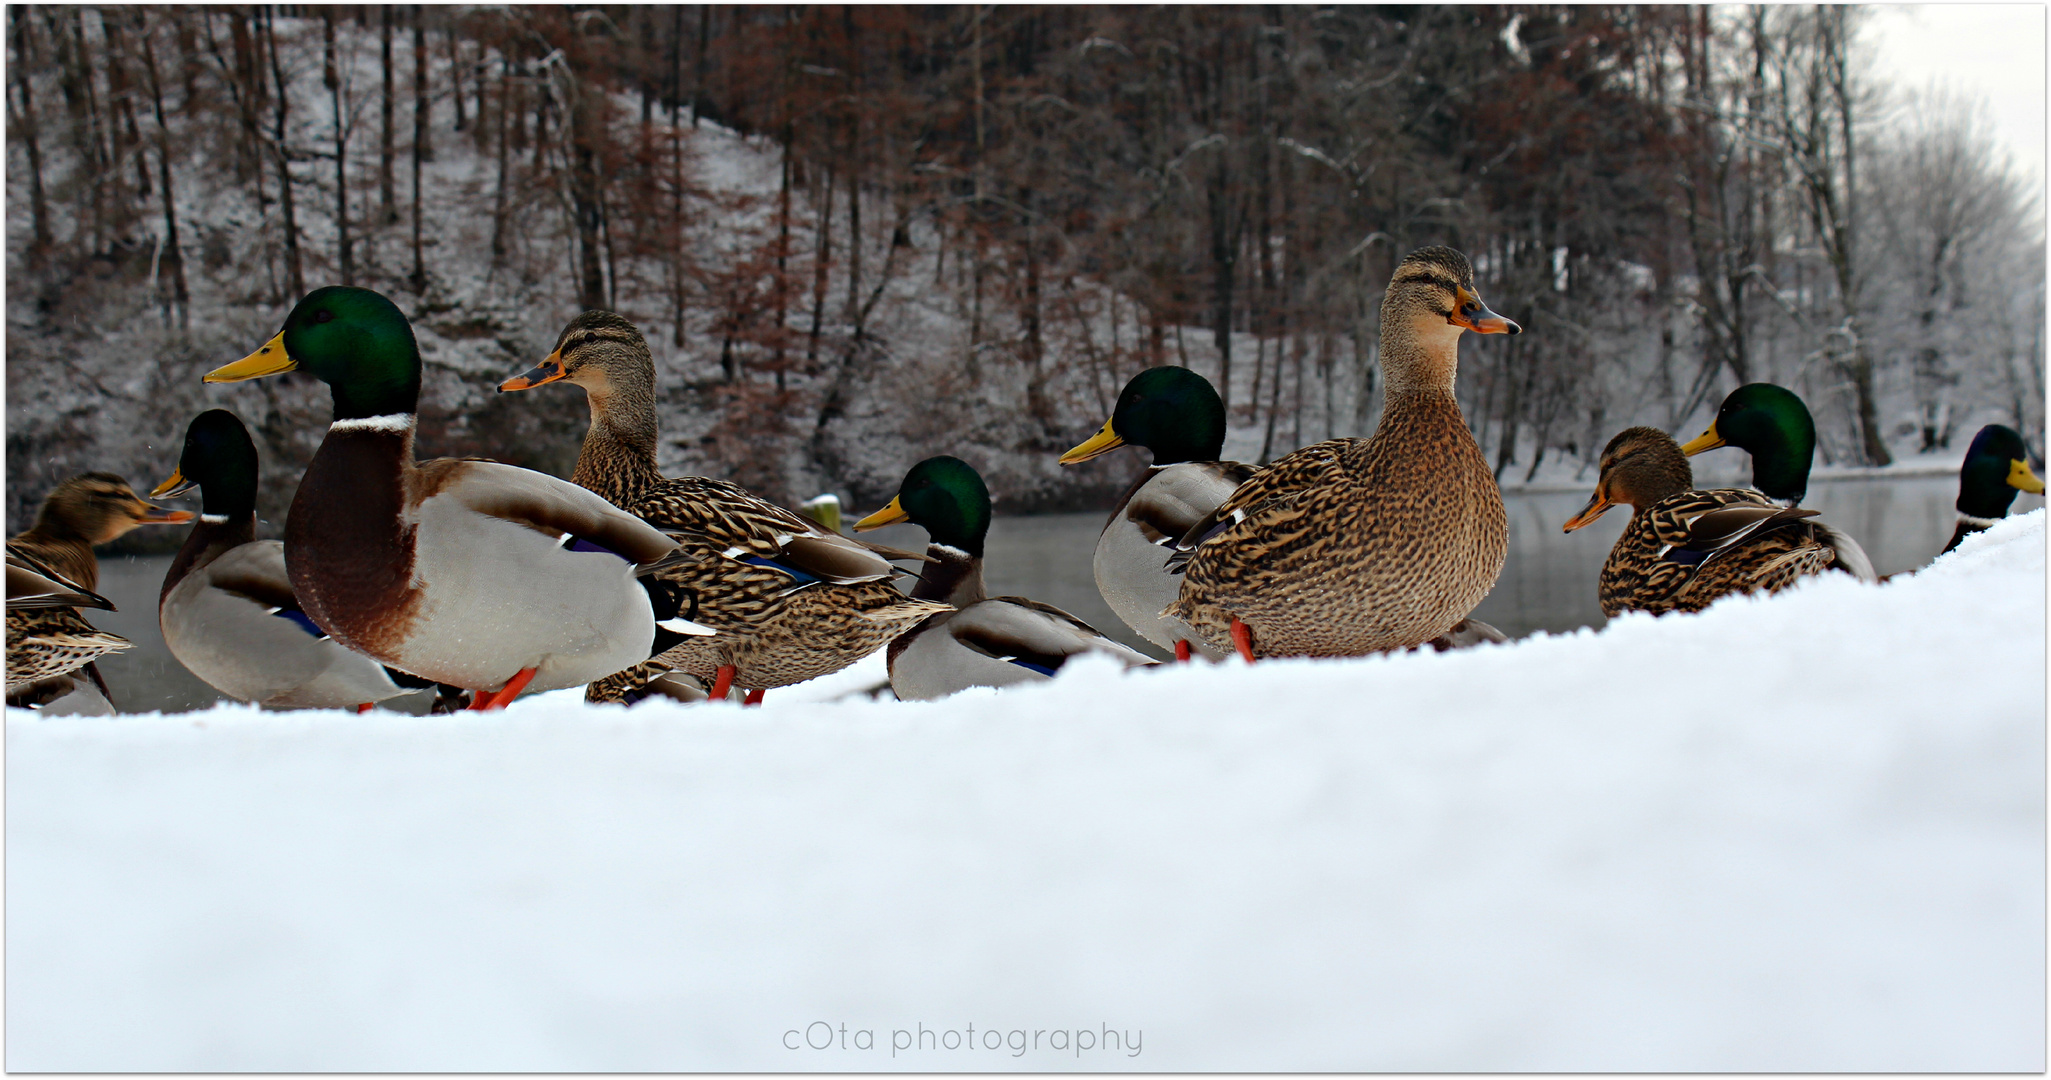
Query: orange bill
pixel 547 371
pixel 1596 505
pixel 1470 312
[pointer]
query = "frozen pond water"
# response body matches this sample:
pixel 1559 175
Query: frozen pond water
pixel 1548 581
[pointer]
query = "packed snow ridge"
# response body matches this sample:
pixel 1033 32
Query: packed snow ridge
pixel 1803 832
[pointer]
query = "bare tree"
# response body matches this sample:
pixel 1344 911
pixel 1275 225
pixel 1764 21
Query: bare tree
pixel 331 78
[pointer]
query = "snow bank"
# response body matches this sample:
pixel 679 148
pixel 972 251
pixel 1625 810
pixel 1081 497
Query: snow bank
pixel 1804 833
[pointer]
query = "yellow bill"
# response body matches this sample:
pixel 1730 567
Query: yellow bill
pixel 269 360
pixel 176 485
pixel 1708 440
pixel 889 515
pixel 1103 442
pixel 2022 479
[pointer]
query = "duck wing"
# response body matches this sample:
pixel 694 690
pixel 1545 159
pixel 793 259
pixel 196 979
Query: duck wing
pixel 751 529
pixel 1167 503
pixel 1713 532
pixel 33 584
pixel 1033 634
pixel 1269 492
pixel 545 504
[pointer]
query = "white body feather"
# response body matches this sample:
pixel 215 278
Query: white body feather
pixel 937 662
pixel 1131 566
pixel 497 596
pixel 237 646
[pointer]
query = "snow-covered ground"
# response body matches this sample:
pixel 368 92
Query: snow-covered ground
pixel 1804 833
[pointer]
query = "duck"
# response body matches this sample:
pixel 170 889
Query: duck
pixel 227 610
pixel 1773 425
pixel 1685 549
pixel 463 571
pixel 1996 467
pixel 52 562
pixel 1354 546
pixel 979 640
pixel 791 599
pixel 1177 415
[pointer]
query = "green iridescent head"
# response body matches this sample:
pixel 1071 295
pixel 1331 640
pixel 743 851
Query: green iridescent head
pixel 1171 411
pixel 1997 466
pixel 355 340
pixel 1770 423
pixel 944 496
pixel 220 460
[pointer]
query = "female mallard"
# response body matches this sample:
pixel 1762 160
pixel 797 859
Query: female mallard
pixel 1996 467
pixel 1773 425
pixel 1353 546
pixel 47 639
pixel 1685 549
pixel 464 571
pixel 980 641
pixel 227 609
pixel 1175 413
pixel 791 599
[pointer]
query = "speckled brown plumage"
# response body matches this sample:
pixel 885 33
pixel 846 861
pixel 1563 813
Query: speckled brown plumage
pixel 84 511
pixel 776 630
pixel 1637 578
pixel 1354 546
pixel 1684 549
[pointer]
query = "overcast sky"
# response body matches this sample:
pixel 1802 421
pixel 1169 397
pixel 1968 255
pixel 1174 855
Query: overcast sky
pixel 1995 51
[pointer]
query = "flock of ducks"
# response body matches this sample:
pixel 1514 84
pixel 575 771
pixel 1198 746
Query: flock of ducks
pixel 479 581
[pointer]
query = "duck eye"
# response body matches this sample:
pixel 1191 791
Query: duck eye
pixel 323 315
pixel 587 339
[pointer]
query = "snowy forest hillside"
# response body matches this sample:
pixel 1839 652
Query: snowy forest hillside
pixel 856 236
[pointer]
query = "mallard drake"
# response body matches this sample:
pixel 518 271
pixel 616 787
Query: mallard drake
pixel 1772 424
pixel 463 571
pixel 1685 549
pixel 227 609
pixel 980 640
pixel 1175 413
pixel 1997 466
pixel 1354 546
pixel 47 639
pixel 792 600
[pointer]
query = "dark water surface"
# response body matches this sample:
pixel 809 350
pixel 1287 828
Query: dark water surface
pixel 1548 581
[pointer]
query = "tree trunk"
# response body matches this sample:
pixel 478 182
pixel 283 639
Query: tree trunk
pixel 822 258
pixel 331 79
pixel 455 72
pixel 421 149
pixel 295 277
pixel 1224 275
pixel 498 198
pixel 676 213
pixel 38 207
pixel 387 205
pixel 698 95
pixel 172 258
pixel 584 190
